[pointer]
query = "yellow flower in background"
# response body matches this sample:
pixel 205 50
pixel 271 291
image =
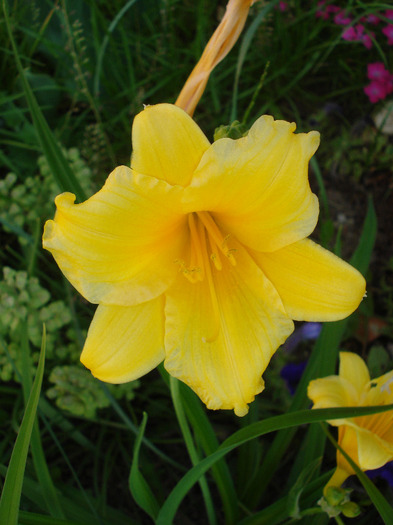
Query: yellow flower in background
pixel 198 256
pixel 368 440
pixel 219 45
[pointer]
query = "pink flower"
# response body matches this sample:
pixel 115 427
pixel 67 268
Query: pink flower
pixel 350 34
pixel 388 32
pixel 333 9
pixel 342 20
pixel 321 12
pixel 367 41
pixel 373 19
pixel 389 14
pixel 282 6
pixel 357 34
pixel 375 91
pixel 377 71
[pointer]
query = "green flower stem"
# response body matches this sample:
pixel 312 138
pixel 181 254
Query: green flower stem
pixel 185 429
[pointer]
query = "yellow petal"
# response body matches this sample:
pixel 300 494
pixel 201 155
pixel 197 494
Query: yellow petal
pixel 332 391
pixel 221 333
pixel 313 283
pixel 257 187
pixel 125 342
pixel 354 370
pixel 373 451
pixel 119 246
pixel 380 390
pixel 348 440
pixel 167 144
pixel 338 478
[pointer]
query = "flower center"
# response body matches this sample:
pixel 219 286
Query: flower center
pixel 207 246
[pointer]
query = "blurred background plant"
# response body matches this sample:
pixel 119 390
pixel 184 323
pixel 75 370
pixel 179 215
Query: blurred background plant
pixel 92 66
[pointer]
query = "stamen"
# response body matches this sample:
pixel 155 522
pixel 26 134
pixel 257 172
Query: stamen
pixel 215 257
pixel 213 295
pixel 214 233
pixel 196 245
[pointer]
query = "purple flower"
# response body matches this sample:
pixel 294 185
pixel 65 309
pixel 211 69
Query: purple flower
pixel 385 472
pixel 292 373
pixel 306 332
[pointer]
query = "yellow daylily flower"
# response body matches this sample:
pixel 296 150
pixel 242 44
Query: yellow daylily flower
pixel 368 440
pixel 197 256
pixel 219 45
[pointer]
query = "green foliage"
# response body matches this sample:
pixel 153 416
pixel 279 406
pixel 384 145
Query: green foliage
pixel 86 69
pixel 78 392
pixel 22 298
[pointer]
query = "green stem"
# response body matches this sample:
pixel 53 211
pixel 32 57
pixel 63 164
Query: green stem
pixel 194 456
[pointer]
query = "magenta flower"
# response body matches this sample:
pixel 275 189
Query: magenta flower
pixel 373 19
pixel 321 11
pixel 341 19
pixel 350 34
pixel 282 6
pixel 375 91
pixel 389 14
pixel 377 71
pixel 388 32
pixel 367 41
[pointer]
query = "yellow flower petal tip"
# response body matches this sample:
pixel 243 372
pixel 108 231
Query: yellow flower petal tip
pixel 368 440
pixel 197 255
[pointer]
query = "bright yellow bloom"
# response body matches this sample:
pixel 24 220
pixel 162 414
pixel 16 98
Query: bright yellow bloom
pixel 219 45
pixel 368 440
pixel 197 255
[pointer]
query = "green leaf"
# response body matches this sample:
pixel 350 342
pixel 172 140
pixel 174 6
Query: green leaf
pixel 206 438
pixel 169 509
pixel 361 258
pixel 298 488
pixel 40 465
pixel 10 498
pixel 31 518
pixel 139 488
pixel 60 168
pixel 277 512
pixel 189 442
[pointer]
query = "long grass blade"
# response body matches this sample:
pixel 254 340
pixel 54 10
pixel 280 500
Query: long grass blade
pixel 293 419
pixel 40 464
pixel 10 498
pixel 185 429
pixel 31 518
pixel 139 487
pixel 246 42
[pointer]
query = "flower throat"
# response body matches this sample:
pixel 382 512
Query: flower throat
pixel 207 246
